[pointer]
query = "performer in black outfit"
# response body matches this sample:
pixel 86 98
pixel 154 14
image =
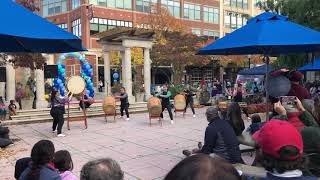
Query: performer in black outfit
pixel 189 99
pixel 57 111
pixel 165 101
pixel 124 102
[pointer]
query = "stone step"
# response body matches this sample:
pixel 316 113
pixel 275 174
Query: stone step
pixel 75 107
pixel 90 111
pixel 73 110
pixel 49 118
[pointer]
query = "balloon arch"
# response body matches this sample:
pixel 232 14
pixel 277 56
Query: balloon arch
pixel 86 69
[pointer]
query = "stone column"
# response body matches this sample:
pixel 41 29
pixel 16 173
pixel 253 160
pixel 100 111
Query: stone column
pixel 11 82
pixel 128 73
pixel 107 78
pixel 147 73
pixel 123 66
pixel 41 102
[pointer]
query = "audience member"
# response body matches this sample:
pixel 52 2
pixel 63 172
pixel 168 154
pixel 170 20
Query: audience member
pixel 20 166
pixel 42 167
pixel 256 124
pixel 106 169
pixel 12 108
pixel 203 167
pixel 281 149
pixel 220 138
pixel 4 137
pixel 3 111
pixel 63 162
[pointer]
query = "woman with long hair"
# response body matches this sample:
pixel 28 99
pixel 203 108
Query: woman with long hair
pixel 41 166
pixel 57 111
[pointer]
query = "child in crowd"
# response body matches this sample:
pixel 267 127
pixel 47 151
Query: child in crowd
pixel 256 124
pixel 3 111
pixel 12 108
pixel 63 162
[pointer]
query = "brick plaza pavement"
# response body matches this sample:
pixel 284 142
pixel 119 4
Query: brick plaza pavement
pixel 143 152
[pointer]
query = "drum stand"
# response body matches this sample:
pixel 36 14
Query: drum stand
pixel 155 117
pixel 113 114
pixel 179 110
pixel 84 118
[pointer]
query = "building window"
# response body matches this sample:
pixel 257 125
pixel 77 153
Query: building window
pixel 76 27
pixel 211 15
pixel 63 26
pixel 119 4
pixel 99 25
pixel 50 7
pixel 234 20
pixel 172 6
pixel 243 4
pixel 212 34
pixel 75 4
pixel 73 70
pixel 196 31
pixel 192 11
pixel 147 6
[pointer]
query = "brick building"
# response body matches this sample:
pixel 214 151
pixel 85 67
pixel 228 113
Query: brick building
pixel 84 18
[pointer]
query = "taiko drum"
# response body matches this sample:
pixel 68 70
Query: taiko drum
pixel 154 106
pixel 179 102
pixel 109 105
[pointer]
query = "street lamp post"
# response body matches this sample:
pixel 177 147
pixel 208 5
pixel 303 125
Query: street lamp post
pixel 249 58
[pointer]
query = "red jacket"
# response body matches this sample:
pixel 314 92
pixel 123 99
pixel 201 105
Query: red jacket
pixel 299 91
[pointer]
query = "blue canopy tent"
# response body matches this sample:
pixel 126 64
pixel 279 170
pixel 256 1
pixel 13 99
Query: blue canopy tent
pixel 24 31
pixel 260 70
pixel 268 34
pixel 315 66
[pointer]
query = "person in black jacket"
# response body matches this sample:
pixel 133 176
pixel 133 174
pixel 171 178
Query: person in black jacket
pixel 189 99
pixel 124 102
pixel 220 139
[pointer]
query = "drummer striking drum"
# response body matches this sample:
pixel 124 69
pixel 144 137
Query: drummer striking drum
pixel 165 101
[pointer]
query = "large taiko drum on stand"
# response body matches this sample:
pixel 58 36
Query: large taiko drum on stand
pixel 155 109
pixel 109 106
pixel 76 85
pixel 179 102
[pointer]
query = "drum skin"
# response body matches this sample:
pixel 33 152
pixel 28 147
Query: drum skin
pixel 179 102
pixel 76 85
pixel 154 107
pixel 109 105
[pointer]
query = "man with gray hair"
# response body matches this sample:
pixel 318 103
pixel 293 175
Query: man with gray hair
pixel 220 139
pixel 101 169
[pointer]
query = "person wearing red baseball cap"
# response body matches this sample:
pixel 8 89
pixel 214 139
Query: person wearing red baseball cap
pixel 281 147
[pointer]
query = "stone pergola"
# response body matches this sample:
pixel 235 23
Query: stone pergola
pixel 122 40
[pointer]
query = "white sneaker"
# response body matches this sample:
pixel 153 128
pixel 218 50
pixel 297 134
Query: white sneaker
pixel 128 119
pixel 120 117
pixel 53 131
pixel 61 135
pixel 172 122
pixel 194 115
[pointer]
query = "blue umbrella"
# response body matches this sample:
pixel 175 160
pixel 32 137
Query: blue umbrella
pixel 24 31
pixel 260 70
pixel 267 34
pixel 315 66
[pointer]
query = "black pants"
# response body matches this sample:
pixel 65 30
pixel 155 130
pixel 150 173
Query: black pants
pixel 19 102
pixel 125 108
pixel 57 115
pixel 34 105
pixel 189 102
pixel 100 89
pixel 168 107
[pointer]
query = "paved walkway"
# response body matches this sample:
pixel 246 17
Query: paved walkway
pixel 143 152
